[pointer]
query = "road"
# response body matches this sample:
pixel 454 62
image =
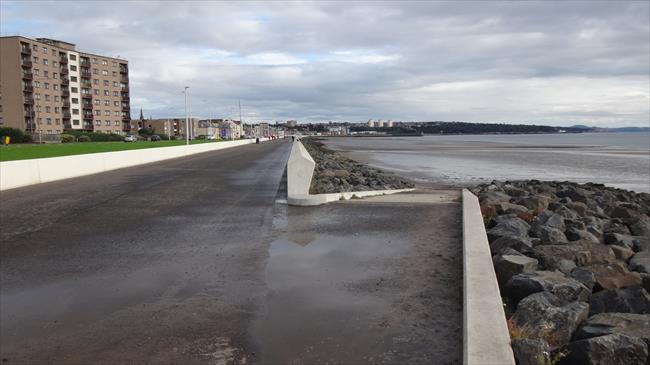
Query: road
pixel 196 260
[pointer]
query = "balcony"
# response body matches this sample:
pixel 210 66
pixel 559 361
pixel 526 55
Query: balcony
pixel 124 70
pixel 66 115
pixel 87 96
pixel 28 88
pixel 26 50
pixel 67 125
pixel 29 100
pixel 125 89
pixel 26 63
pixel 125 97
pixel 124 80
pixel 63 60
pixel 126 108
pixel 84 63
pixel 64 70
pixel 86 75
pixel 65 81
pixel 28 76
pixel 66 104
pixel 65 93
pixel 126 126
pixel 86 83
pixel 87 106
pixel 126 118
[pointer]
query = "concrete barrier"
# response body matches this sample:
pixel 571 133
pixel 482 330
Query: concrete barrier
pixel 300 170
pixel 15 174
pixel 485 332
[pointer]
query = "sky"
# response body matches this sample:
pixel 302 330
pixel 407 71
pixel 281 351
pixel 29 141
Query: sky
pixel 556 63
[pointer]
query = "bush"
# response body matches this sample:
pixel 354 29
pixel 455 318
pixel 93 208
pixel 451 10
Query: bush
pixel 163 136
pixel 67 138
pixel 200 137
pixel 16 135
pixel 98 137
pixel 83 138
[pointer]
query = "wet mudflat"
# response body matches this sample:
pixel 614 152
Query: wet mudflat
pixel 370 281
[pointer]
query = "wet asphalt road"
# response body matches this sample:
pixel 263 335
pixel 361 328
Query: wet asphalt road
pixel 193 261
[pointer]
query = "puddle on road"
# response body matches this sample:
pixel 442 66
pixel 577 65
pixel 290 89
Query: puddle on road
pixel 325 302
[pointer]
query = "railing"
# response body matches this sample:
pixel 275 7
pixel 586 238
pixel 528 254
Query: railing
pixel 65 92
pixel 86 75
pixel 29 101
pixel 64 70
pixel 124 79
pixel 66 115
pixel 125 97
pixel 63 60
pixel 124 70
pixel 125 88
pixel 28 76
pixel 26 50
pixel 85 83
pixel 28 88
pixel 66 104
pixel 27 63
pixel 84 63
pixel 86 96
pixel 87 106
pixel 65 81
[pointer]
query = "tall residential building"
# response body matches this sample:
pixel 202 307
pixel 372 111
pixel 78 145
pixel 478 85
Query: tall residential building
pixel 48 86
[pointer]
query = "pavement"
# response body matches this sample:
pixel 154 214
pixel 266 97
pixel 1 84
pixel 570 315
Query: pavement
pixel 199 260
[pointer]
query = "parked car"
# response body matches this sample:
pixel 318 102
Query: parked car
pixel 154 138
pixel 130 138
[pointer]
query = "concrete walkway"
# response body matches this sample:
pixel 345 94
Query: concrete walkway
pixel 192 260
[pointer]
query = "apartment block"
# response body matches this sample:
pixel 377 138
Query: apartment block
pixel 47 86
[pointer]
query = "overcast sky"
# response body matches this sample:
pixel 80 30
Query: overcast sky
pixel 558 63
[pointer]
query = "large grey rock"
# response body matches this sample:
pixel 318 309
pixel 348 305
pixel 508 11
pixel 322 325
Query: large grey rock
pixel 548 218
pixel 494 221
pixel 611 349
pixel 598 252
pixel 641 227
pixel 619 240
pixel 640 262
pixel 622 253
pixel 508 266
pixel 523 245
pixel 531 351
pixel 514 227
pixel 533 202
pixel 545 316
pixel 623 212
pixel 602 324
pixel 586 277
pixel 626 300
pixel 509 208
pixel 615 226
pixel 575 234
pixel 554 263
pixel 574 193
pixel 549 235
pixel 565 288
pixel 613 275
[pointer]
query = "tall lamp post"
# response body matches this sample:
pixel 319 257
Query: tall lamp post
pixel 187 119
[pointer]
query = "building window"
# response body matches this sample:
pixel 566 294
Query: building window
pixel 73 78
pixel 74 89
pixel 45 50
pixel 116 113
pixel 107 123
pixel 107 113
pixel 117 123
pixel 48 121
pixel 106 83
pixel 96 91
pixel 75 100
pixel 38 96
pixel 37 72
pixel 46 85
pixel 114 64
pixel 55 75
pixel 48 109
pixel 97 101
pixel 98 122
pixel 94 60
pixel 46 73
pixel 75 111
pixel 73 68
pixel 57 121
pixel 114 73
pixel 96 81
pixel 116 103
pixel 34 47
pixel 54 52
pixel 45 61
pixel 55 87
pixel 56 98
pixel 55 64
pixel 95 71
pixel 37 84
pixel 56 109
pixel 74 58
pixel 107 102
pixel 104 72
pixel 107 93
pixel 35 59
pixel 47 97
pixel 98 112
pixel 116 93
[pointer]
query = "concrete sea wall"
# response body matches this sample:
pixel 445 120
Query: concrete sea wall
pixel 15 174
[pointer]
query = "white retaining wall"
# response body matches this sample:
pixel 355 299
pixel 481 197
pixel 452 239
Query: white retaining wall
pixel 485 332
pixel 14 174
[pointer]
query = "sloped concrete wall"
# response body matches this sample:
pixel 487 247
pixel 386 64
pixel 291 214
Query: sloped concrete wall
pixel 14 174
pixel 300 169
pixel 485 332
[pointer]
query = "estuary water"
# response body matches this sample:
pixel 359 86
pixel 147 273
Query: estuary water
pixel 615 159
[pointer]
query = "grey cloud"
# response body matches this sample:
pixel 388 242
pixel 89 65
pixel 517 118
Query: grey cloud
pixel 481 61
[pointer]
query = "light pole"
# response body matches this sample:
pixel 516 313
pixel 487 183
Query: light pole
pixel 187 125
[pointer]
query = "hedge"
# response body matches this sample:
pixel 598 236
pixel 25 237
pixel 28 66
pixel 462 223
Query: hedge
pixel 16 135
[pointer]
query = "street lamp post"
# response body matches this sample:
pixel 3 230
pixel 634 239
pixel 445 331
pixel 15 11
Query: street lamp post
pixel 187 124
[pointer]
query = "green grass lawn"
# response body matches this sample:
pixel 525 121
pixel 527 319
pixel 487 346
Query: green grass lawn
pixel 29 151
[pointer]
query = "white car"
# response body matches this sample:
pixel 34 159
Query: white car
pixel 130 138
